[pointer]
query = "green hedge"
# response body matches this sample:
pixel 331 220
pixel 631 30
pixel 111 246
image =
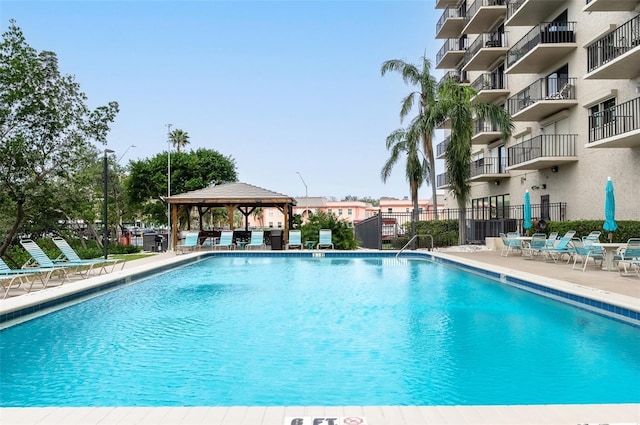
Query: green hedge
pixel 342 234
pixel 626 229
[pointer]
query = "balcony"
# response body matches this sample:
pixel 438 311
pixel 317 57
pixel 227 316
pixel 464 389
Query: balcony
pixel 484 133
pixel 617 54
pixel 543 151
pixel 451 53
pixel 442 181
pixel 488 169
pixel 490 87
pixel 482 15
pixel 441 4
pixel 545 45
pixel 524 13
pixel 485 50
pixel 450 23
pixel 610 5
pixel 441 148
pixel 459 76
pixel 544 97
pixel 618 127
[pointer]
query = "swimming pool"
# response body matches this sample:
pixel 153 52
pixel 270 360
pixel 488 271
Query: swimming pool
pixel 251 330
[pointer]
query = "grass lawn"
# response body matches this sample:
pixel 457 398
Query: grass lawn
pixel 130 257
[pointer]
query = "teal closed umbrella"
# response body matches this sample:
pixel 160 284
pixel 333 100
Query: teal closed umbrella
pixel 528 224
pixel 609 209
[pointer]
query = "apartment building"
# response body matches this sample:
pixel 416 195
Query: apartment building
pixel 568 72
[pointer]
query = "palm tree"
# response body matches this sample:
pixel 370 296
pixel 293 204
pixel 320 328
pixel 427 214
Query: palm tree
pixel 258 214
pixel 423 123
pixel 179 139
pixel 401 142
pixel 454 103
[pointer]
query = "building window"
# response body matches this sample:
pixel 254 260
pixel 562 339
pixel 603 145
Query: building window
pixel 389 210
pixel 279 225
pixel 349 211
pixel 271 225
pixel 407 210
pixel 492 207
pixel 329 211
pixel 419 210
pixel 339 211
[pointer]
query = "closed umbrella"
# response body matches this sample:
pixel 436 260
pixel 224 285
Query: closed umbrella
pixel 528 224
pixel 609 209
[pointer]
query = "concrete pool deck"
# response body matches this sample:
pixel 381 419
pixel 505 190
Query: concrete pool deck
pixel 599 284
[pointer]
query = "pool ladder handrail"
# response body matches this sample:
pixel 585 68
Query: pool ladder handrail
pixel 411 240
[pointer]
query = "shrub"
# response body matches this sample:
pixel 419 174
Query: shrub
pixel 342 234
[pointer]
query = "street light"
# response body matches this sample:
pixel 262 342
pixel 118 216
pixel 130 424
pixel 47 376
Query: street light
pixel 306 193
pixel 105 235
pixel 125 152
pixel 169 233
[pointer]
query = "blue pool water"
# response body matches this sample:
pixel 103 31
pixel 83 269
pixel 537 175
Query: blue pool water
pixel 318 331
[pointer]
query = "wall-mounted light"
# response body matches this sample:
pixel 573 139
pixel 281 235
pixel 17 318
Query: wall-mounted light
pixel 535 187
pixel 497 182
pixel 544 185
pixel 554 169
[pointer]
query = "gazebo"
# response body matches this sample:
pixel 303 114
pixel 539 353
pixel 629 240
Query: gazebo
pixel 241 196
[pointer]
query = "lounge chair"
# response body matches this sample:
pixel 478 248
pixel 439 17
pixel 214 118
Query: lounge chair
pixel 225 241
pixel 325 240
pixel 9 276
pixel 70 255
pixel 551 240
pixel 190 243
pixel 563 93
pixel 510 243
pixel 584 251
pixel 257 240
pixel 629 257
pixel 295 239
pixel 41 260
pixel 562 247
pixel 532 248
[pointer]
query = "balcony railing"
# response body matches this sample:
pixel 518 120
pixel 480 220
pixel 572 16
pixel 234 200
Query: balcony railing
pixel 442 180
pixel 451 45
pixel 490 81
pixel 614 44
pixel 480 126
pixel 441 148
pixel 476 5
pixel 543 33
pixel 459 76
pixel 615 121
pixel 494 39
pixel 542 89
pixel 488 165
pixel 513 6
pixel 544 145
pixel 449 13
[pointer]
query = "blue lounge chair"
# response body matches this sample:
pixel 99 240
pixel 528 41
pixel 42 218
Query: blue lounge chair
pixel 325 240
pixel 257 240
pixel 532 248
pixel 225 241
pixel 40 260
pixel 629 257
pixel 27 276
pixel 562 247
pixel 295 239
pixel 70 255
pixel 190 243
pixel 551 240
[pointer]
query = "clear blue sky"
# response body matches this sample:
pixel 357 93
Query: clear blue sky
pixel 281 86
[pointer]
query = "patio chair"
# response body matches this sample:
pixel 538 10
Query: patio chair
pixel 295 239
pixel 190 243
pixel 532 248
pixel 70 255
pixel 593 236
pixel 325 240
pixel 257 240
pixel 510 242
pixel 629 257
pixel 9 276
pixel 584 251
pixel 40 260
pixel 225 241
pixel 563 93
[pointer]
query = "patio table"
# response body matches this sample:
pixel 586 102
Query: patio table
pixel 610 248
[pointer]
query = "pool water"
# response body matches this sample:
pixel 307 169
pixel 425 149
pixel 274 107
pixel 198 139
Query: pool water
pixel 318 331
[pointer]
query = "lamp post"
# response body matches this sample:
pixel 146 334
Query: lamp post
pixel 306 193
pixel 125 152
pixel 169 233
pixel 105 235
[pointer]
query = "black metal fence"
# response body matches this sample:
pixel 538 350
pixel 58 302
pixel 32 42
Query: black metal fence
pixel 481 222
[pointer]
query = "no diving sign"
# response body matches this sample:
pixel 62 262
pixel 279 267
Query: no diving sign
pixel 316 420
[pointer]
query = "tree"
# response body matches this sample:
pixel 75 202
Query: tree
pixel 179 139
pixel 45 129
pixel 454 103
pixel 147 183
pixel 402 142
pixel 423 124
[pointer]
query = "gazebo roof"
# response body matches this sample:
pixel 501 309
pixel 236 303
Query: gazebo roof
pixel 236 193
